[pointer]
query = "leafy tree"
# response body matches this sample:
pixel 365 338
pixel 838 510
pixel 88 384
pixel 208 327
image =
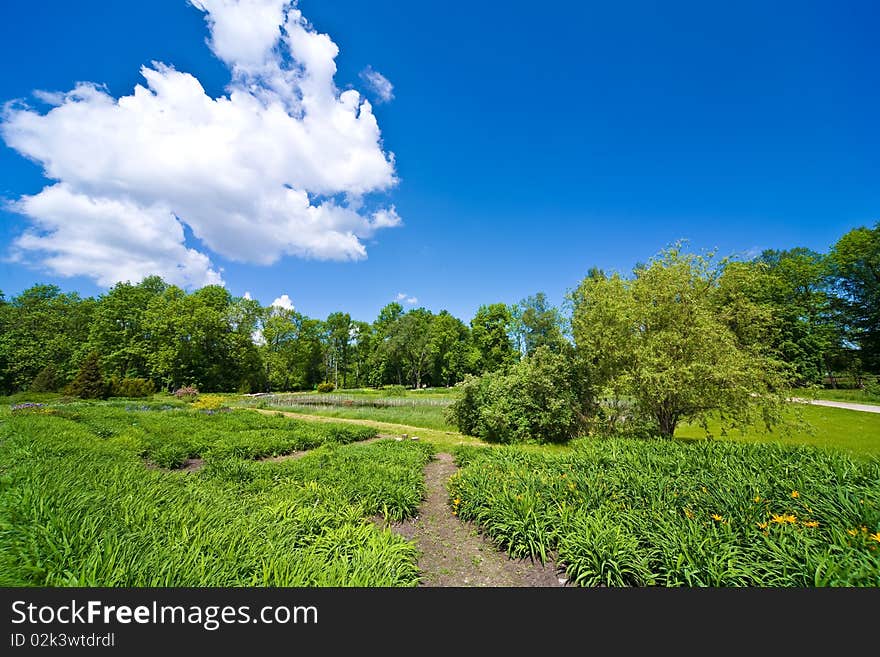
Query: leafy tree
pixel 451 348
pixel 43 326
pixel 782 299
pixel 89 381
pixel 117 329
pixel 490 329
pixel 537 324
pixel 338 335
pixel 660 340
pixel 411 344
pixel 855 259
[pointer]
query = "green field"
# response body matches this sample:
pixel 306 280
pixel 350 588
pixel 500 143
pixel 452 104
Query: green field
pixel 93 494
pixel 80 505
pixel 821 426
pixel 837 394
pixel 622 512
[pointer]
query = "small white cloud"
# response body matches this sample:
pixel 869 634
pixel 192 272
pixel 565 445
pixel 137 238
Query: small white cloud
pixel 283 302
pixel 378 84
pixel 405 298
pixel 247 295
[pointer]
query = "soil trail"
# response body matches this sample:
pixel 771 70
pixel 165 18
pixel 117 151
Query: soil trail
pixel 455 553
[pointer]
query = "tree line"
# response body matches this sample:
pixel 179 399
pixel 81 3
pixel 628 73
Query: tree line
pixel 816 315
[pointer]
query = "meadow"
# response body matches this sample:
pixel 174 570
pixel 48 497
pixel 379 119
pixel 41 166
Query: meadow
pixel 100 494
pixel 82 505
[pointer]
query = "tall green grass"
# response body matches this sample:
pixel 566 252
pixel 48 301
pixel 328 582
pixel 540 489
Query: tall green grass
pixel 427 417
pixel 79 507
pixel 624 512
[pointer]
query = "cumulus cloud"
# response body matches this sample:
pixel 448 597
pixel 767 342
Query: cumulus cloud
pixel 378 84
pixel 283 164
pixel 405 298
pixel 247 295
pixel 283 302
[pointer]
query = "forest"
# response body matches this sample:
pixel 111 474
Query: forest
pixel 817 314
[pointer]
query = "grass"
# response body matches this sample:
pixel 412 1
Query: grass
pixel 624 512
pixel 821 426
pixel 427 417
pixel 838 394
pixel 79 507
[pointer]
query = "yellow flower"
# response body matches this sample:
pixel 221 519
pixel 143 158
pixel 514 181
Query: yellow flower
pixel 689 513
pixel 757 498
pixel 783 519
pixel 811 523
pixel 762 525
pixel 851 532
pixel 456 501
pixel 717 518
pixel 875 536
pixel 794 493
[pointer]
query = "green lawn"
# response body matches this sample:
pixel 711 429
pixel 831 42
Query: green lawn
pixel 428 417
pixel 852 431
pixel 855 396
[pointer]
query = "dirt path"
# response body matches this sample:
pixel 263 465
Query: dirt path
pixel 851 406
pixel 454 553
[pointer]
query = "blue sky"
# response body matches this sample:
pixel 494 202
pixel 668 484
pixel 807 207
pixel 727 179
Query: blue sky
pixel 530 141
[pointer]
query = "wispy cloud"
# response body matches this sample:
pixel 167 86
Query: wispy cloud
pixel 378 84
pixel 279 165
pixel 405 298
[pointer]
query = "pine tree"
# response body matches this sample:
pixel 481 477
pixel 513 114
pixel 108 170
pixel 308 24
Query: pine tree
pixel 89 382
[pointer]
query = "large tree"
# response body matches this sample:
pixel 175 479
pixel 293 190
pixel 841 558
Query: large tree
pixel 537 324
pixel 659 339
pixel 856 262
pixel 491 328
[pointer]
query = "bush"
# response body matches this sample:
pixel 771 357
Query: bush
pixel 47 380
pixel 89 382
pixel 326 386
pixel 187 393
pixel 540 399
pixel 131 387
pixel 395 390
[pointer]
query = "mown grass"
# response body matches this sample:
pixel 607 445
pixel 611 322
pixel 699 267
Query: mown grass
pixel 856 432
pixel 79 507
pixel 428 417
pixel 624 512
pixel 837 394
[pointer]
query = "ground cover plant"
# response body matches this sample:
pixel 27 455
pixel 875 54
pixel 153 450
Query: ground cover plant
pixel 80 507
pixel 671 513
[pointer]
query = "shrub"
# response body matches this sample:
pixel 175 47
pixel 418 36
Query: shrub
pixel 131 387
pixel 46 381
pixel 89 382
pixel 187 393
pixel 395 390
pixel 540 399
pixel 326 386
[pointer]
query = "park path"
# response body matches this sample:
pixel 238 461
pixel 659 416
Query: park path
pixel 452 552
pixel 851 406
pixel 455 553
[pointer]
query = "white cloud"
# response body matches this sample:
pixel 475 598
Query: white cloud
pixel 378 84
pixel 247 295
pixel 405 298
pixel 283 302
pixel 280 165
